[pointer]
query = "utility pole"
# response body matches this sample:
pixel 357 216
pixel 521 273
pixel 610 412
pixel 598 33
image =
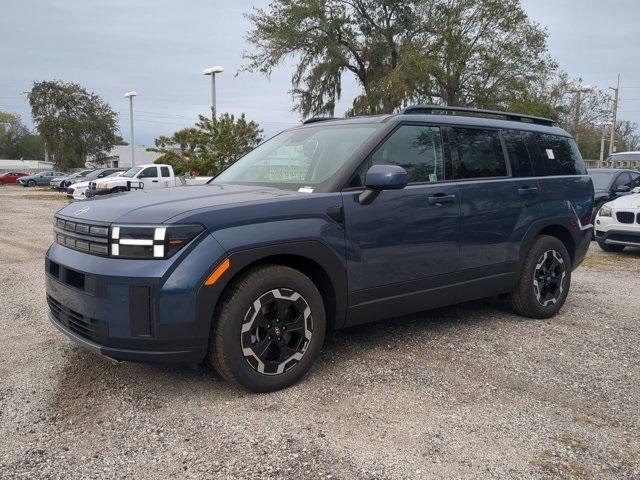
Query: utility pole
pixel 602 132
pixel 612 139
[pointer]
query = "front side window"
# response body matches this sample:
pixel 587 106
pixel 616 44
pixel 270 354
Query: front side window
pixel 295 158
pixel 149 172
pixel 131 172
pixel 560 155
pixel 477 153
pixel 518 152
pixel 601 180
pixel 623 180
pixel 417 149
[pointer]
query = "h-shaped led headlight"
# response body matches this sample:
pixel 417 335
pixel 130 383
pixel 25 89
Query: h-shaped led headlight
pixel 150 241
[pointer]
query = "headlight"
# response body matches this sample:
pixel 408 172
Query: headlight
pixel 605 211
pixel 150 241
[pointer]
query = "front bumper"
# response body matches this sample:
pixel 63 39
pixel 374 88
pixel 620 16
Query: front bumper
pixel 137 310
pixel 619 237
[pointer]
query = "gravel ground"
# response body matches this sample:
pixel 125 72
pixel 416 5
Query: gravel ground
pixel 471 391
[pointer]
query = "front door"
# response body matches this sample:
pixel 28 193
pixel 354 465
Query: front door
pixel 150 178
pixel 405 242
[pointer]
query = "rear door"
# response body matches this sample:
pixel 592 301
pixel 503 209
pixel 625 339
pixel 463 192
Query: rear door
pixel 165 176
pixel 405 241
pixel 150 177
pixel 496 208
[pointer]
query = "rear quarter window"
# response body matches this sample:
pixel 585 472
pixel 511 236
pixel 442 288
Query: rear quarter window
pixel 559 155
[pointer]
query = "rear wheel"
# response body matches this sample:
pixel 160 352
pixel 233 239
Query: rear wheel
pixel 269 329
pixel 610 248
pixel 544 280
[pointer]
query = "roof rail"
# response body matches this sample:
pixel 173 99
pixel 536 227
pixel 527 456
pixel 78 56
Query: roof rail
pixel 317 119
pixel 514 117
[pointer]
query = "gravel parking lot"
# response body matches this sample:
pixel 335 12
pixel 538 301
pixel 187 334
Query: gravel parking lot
pixel 466 392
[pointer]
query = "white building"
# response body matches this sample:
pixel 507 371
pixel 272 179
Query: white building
pixel 26 166
pixel 120 156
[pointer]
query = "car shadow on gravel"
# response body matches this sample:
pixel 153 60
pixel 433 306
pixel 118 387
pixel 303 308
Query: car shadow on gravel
pixel 89 386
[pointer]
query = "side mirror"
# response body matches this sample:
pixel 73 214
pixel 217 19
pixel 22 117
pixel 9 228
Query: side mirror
pixel 623 189
pixel 382 177
pixel 636 190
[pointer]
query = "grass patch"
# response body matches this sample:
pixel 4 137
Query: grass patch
pixel 51 196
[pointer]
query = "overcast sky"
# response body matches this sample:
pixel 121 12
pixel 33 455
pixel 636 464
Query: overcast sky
pixel 159 48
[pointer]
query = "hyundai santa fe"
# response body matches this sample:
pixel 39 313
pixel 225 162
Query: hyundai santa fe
pixel 333 223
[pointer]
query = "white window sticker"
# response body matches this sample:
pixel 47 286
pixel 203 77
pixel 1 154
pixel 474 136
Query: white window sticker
pixel 550 154
pixel 305 190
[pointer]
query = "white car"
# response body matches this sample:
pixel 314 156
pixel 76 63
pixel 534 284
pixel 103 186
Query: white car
pixel 617 223
pixel 78 191
pixel 145 177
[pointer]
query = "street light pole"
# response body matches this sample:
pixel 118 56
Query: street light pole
pixel 579 90
pixel 133 148
pixel 612 139
pixel 212 71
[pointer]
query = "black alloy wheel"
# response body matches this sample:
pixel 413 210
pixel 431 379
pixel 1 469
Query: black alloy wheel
pixel 276 331
pixel 544 280
pixel 548 278
pixel 269 328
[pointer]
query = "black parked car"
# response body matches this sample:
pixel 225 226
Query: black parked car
pixel 611 183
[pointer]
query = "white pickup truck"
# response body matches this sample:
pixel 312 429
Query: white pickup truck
pixel 136 178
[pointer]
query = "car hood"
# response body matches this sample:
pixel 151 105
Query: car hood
pixel 628 201
pixel 158 206
pixel 81 184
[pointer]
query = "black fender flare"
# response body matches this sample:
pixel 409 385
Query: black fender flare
pixel 567 223
pixel 208 297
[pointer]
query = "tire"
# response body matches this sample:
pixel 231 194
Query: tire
pixel 283 294
pixel 543 287
pixel 610 248
pixel 31 183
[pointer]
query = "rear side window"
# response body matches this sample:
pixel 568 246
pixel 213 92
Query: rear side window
pixel 477 153
pixel 417 149
pixel 165 171
pixel 560 155
pixel 516 143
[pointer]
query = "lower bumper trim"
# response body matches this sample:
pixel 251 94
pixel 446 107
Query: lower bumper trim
pixel 159 356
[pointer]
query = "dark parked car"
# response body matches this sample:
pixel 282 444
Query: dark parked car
pixel 611 183
pixel 42 178
pixel 334 223
pixel 11 177
pixel 61 183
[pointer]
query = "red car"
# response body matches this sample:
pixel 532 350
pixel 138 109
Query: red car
pixel 11 177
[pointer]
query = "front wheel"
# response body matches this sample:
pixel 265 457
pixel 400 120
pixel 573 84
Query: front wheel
pixel 544 280
pixel 610 248
pixel 31 183
pixel 269 329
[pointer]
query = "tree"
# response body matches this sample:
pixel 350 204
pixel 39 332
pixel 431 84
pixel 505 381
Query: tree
pixel 210 146
pixel 482 53
pixel 16 141
pixel 73 122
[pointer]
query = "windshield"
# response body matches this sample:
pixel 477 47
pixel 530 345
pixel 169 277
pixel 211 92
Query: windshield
pixel 601 180
pixel 131 172
pixel 114 174
pixel 295 158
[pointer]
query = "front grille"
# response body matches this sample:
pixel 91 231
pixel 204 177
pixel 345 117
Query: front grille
pixel 638 218
pixel 86 327
pixel 625 217
pixel 87 237
pixel 70 191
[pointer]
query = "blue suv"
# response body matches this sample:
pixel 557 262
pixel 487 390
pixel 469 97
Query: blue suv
pixel 333 223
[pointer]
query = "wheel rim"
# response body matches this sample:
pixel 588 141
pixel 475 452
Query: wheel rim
pixel 276 331
pixel 548 278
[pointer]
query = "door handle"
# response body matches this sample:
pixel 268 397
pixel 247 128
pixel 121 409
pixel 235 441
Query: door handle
pixel 440 198
pixel 154 181
pixel 527 191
